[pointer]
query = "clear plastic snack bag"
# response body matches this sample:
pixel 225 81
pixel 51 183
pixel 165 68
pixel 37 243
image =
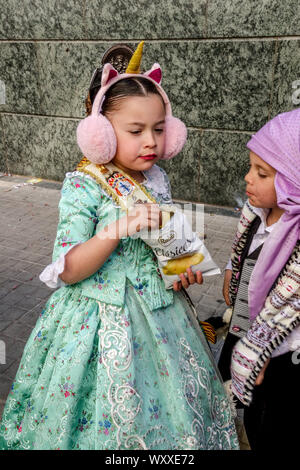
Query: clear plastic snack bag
pixel 177 247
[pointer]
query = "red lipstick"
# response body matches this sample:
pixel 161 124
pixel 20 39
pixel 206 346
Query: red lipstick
pixel 148 157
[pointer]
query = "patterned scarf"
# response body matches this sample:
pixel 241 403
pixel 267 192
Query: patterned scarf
pixel 278 317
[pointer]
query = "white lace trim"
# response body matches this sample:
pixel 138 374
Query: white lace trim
pixel 50 275
pixel 155 180
pixel 158 183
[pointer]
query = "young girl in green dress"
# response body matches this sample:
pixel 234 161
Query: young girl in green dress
pixel 115 360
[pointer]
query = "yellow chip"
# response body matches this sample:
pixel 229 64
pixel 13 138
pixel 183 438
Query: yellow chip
pixel 180 265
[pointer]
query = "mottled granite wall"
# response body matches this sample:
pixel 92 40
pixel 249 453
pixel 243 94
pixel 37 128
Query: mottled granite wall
pixel 229 66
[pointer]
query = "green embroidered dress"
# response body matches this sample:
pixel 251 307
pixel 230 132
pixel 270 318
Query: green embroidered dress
pixel 114 361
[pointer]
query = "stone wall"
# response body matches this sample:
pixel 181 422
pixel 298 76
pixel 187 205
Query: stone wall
pixel 228 65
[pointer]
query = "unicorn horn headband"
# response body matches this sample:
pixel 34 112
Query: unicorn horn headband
pixel 95 134
pixel 135 61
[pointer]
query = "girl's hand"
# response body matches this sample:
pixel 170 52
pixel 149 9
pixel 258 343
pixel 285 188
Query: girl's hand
pixel 140 217
pixel 261 375
pixel 227 278
pixel 186 282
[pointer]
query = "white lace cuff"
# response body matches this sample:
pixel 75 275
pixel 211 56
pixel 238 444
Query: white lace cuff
pixel 229 265
pixel 50 275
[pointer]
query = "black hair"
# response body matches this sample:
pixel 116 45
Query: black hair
pixel 131 86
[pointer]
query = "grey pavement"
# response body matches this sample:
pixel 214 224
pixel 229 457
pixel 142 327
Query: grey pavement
pixel 28 222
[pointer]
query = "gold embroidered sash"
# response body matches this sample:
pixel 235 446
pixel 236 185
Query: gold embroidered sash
pixel 121 187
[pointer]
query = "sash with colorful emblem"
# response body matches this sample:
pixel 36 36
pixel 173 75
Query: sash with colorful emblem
pixel 120 186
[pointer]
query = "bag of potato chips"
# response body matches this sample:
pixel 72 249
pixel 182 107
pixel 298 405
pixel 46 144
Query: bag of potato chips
pixel 177 247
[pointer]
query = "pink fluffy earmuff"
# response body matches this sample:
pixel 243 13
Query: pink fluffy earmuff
pixel 95 134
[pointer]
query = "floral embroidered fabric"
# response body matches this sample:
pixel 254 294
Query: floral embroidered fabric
pixel 110 371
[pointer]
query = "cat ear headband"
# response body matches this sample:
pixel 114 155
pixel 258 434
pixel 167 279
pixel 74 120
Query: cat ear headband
pixel 95 134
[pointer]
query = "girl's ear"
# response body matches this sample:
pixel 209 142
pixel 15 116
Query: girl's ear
pixel 155 73
pixel 108 73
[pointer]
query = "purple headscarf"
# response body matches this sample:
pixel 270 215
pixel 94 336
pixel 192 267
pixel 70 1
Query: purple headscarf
pixel 278 144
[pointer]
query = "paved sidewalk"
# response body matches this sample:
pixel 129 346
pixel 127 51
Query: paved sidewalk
pixel 28 222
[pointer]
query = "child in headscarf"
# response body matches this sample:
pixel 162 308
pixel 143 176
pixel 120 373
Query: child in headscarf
pixel 261 353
